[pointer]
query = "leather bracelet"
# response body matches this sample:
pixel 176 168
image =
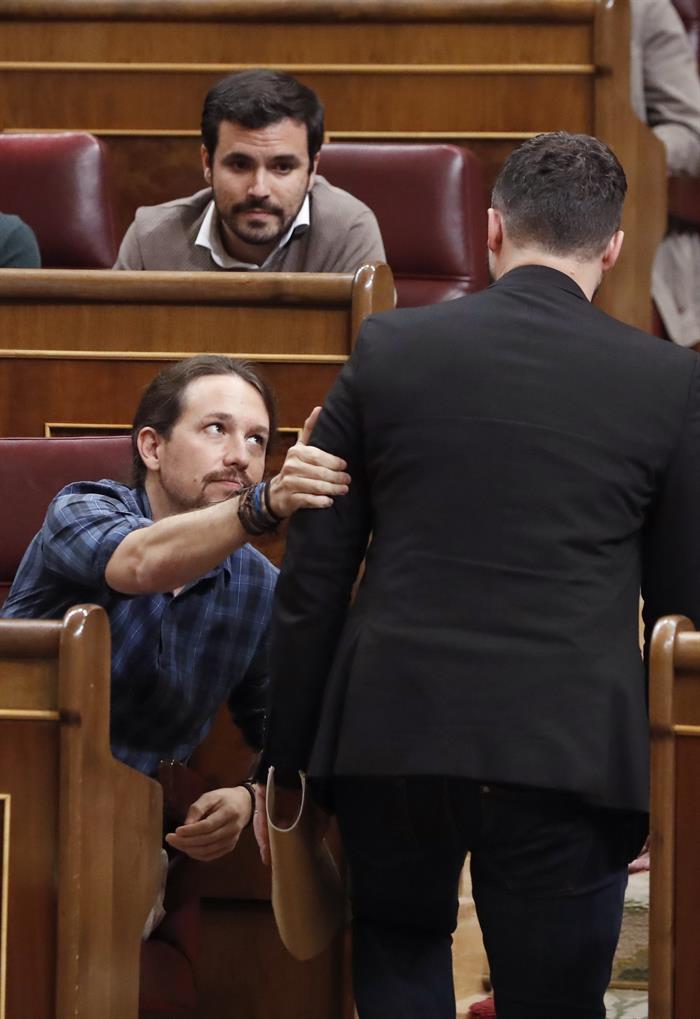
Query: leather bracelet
pixel 250 789
pixel 253 510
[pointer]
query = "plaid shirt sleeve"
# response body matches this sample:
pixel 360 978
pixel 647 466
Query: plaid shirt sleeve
pixel 82 531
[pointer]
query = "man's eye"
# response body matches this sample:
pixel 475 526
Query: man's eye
pixel 284 167
pixel 214 428
pixel 258 440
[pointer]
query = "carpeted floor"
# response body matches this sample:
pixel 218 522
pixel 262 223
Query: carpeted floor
pixel 626 1005
pixel 632 956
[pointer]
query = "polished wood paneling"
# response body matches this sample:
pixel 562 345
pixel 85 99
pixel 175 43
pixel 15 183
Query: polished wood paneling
pixel 497 68
pixel 264 981
pixel 83 842
pixel 34 390
pixel 30 808
pixel 674 709
pixel 81 345
pixel 310 42
pixel 407 99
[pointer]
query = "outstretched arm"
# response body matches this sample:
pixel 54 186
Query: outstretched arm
pixel 177 550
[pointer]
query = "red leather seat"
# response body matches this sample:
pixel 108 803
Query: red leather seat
pixel 32 471
pixel 430 203
pixel 57 183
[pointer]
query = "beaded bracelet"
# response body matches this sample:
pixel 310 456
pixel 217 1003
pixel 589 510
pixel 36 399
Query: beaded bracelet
pixel 250 789
pixel 255 510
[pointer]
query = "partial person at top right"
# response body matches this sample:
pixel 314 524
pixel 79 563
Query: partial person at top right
pixel 666 94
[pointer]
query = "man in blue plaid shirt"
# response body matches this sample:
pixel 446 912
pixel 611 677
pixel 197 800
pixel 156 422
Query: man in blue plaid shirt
pixel 187 597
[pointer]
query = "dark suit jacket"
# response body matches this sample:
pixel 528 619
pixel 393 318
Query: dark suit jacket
pixel 524 464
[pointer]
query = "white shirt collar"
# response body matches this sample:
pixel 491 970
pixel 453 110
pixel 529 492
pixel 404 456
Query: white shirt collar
pixel 209 237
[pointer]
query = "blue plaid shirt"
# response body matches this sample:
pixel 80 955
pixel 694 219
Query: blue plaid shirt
pixel 175 658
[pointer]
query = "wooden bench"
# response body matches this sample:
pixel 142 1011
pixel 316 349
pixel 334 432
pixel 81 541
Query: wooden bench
pixel 78 346
pixel 674 709
pixel 485 73
pixel 80 833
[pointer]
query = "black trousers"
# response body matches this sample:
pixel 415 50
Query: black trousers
pixel 548 876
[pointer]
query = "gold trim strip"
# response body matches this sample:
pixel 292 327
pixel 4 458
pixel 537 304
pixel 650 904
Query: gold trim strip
pixel 686 730
pixel 108 132
pixel 138 132
pixel 24 714
pixel 4 901
pixel 118 430
pixel 433 135
pixel 48 425
pixel 385 69
pixel 162 355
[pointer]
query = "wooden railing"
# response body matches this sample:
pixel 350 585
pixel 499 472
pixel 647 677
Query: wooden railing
pixel 486 73
pixel 80 833
pixel 78 346
pixel 674 709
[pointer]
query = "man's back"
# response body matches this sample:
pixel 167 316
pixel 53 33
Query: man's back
pixel 523 465
pixel 513 444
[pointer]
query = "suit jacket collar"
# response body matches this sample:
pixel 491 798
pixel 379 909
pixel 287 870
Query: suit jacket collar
pixel 537 276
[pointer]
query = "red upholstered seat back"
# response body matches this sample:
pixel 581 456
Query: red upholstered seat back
pixel 32 471
pixel 430 204
pixel 57 183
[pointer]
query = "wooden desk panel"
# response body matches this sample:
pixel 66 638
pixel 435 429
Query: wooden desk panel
pixel 31 851
pixel 481 72
pixel 674 710
pixel 72 912
pixel 80 346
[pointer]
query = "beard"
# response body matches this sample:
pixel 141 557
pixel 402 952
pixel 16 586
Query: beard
pixel 184 501
pixel 265 231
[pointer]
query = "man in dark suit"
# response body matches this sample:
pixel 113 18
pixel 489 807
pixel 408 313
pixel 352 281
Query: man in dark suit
pixel 523 464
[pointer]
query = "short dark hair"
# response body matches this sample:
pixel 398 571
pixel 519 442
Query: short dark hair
pixel 561 192
pixel 259 98
pixel 160 406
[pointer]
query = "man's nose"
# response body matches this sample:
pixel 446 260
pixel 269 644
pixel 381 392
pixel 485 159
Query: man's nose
pixel 237 452
pixel 259 184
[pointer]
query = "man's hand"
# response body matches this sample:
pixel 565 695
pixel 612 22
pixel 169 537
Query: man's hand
pixel 213 824
pixel 310 478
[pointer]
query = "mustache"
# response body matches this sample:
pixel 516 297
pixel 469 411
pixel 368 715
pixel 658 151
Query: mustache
pixel 265 205
pixel 241 477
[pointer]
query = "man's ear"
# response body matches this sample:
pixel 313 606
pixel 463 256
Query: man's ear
pixel 494 231
pixel 206 166
pixel 314 171
pixel 148 443
pixel 612 250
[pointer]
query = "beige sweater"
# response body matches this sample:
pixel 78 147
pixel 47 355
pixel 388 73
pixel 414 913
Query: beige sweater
pixel 666 93
pixel 342 236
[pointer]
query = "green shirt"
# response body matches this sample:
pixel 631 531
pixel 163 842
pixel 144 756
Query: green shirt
pixel 18 246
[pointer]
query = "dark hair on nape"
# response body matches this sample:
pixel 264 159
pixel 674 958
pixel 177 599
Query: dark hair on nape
pixel 161 405
pixel 258 98
pixel 562 193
